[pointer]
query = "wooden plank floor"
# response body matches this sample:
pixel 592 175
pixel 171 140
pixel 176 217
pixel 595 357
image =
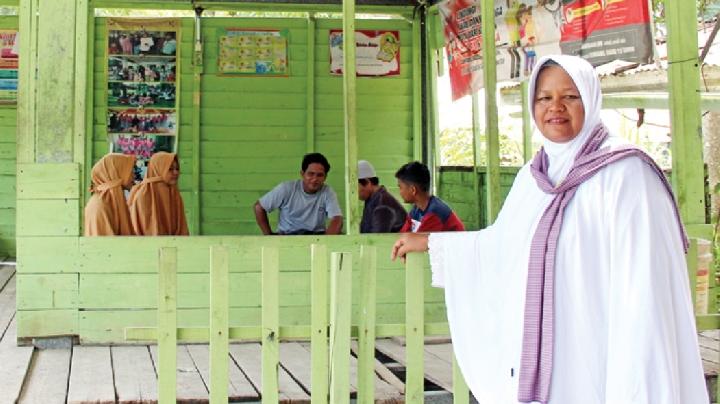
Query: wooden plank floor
pixel 127 374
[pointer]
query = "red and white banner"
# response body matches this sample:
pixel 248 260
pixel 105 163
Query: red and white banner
pixel 597 30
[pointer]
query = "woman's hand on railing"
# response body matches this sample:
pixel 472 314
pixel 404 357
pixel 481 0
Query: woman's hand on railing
pixel 409 242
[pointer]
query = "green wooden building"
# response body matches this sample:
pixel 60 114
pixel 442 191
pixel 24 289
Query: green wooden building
pixel 236 138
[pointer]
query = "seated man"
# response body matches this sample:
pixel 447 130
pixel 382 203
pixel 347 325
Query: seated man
pixel 429 212
pixel 304 204
pixel 382 212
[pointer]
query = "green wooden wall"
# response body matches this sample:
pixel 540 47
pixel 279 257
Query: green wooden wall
pixel 8 118
pixel 254 129
pixel 71 289
pixel 455 186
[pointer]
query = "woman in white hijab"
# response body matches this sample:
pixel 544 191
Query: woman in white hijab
pixel 578 293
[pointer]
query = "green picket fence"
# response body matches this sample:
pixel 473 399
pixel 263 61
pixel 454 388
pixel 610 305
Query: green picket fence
pixel 330 331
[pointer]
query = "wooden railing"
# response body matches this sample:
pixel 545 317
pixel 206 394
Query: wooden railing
pixel 330 331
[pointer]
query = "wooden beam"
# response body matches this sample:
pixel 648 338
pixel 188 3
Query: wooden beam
pixel 492 132
pixel 198 68
pixel 417 90
pixel 270 324
pixel 352 204
pixel 414 327
pixel 685 119
pixel 167 325
pixel 319 337
pixel 526 122
pixel 219 317
pixel 310 91
pixel 366 326
pixel 341 306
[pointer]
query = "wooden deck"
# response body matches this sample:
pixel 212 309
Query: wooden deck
pixel 127 374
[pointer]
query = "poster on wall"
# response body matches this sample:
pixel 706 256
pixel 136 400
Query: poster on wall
pixel 252 52
pixel 8 66
pixel 142 80
pixel 377 52
pixel 525 30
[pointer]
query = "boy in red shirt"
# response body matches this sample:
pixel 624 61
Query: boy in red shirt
pixel 429 213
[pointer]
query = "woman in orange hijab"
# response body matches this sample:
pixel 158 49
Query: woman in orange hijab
pixel 106 213
pixel 156 207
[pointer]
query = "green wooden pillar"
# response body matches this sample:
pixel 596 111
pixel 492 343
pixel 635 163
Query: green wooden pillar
pixel 526 122
pixel 352 204
pixel 53 35
pixel 53 104
pixel 492 137
pixel 685 119
pixel 196 224
pixel 310 92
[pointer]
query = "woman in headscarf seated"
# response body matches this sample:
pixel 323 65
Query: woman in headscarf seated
pixel 578 293
pixel 156 206
pixel 106 213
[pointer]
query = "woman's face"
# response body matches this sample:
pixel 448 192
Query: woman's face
pixel 174 173
pixel 558 108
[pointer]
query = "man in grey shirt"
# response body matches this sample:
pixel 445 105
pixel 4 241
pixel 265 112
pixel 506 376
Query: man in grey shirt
pixel 304 204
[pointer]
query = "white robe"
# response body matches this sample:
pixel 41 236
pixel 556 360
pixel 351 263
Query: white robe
pixel 624 325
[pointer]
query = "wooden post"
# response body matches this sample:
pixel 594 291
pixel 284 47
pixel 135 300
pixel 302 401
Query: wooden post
pixel 219 290
pixel 341 305
pixel 83 68
pixel 492 137
pixel 87 162
pixel 684 81
pixel 461 393
pixel 310 92
pixel 477 166
pixel 366 326
pixel 319 338
pixel 414 328
pixel 167 325
pixel 417 89
pixel 270 324
pixel 352 204
pixel 526 122
pixel 196 223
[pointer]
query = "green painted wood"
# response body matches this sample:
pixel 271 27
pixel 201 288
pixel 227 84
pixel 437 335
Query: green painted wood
pixel 685 120
pixel 526 122
pixel 310 89
pixel 477 190
pixel 219 282
pixel 270 324
pixel 461 392
pixel 692 266
pixel 319 327
pixel 352 205
pixel 47 217
pixel 254 333
pixel 492 131
pixel 47 291
pixel 55 97
pixel 340 301
pixel 31 323
pixel 414 327
pixel 48 181
pixel 86 167
pixel 83 79
pixel 167 325
pixel 7 178
pixel 366 326
pixel 198 68
pixel 27 64
pixel 59 254
pixel 417 91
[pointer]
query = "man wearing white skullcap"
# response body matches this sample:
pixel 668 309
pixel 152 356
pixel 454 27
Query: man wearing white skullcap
pixel 382 212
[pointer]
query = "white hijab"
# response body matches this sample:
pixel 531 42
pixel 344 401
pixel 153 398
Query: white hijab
pixel 562 155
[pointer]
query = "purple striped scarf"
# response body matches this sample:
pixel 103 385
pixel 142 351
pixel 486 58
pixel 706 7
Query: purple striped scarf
pixel 537 350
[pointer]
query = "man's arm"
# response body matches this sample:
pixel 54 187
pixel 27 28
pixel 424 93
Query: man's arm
pixel 262 219
pixel 335 225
